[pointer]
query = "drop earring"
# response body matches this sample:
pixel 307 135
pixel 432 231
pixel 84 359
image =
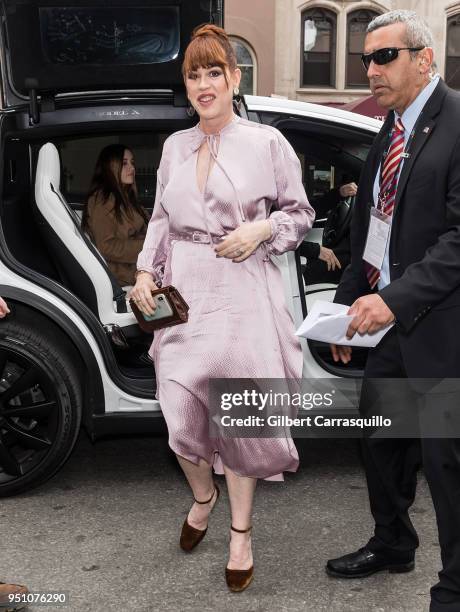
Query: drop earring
pixel 190 110
pixel 237 97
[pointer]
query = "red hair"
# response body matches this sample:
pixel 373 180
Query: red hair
pixel 209 46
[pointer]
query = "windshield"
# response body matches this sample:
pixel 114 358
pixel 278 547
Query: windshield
pixel 119 35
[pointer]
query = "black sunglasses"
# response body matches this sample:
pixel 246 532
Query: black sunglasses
pixel 384 56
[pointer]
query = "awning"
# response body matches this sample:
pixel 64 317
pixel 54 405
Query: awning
pixel 367 105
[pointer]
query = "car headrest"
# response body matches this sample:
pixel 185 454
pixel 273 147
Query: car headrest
pixel 48 166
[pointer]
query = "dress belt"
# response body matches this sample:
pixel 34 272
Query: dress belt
pixel 197 237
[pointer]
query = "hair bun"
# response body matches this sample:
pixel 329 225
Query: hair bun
pixel 209 46
pixel 209 29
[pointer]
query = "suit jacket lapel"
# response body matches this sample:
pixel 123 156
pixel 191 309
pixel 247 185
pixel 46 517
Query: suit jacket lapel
pixel 375 157
pixel 423 131
pixel 380 142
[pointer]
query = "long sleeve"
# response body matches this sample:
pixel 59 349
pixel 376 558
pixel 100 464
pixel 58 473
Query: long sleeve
pixel 114 239
pixel 153 256
pixel 294 215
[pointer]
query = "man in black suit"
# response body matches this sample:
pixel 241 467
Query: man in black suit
pixel 411 184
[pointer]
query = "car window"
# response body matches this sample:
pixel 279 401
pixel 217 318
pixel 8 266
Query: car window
pixel 320 178
pixel 109 35
pixel 323 175
pixel 330 168
pixel 79 156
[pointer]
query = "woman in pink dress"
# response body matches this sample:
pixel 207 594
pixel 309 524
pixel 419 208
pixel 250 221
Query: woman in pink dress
pixel 229 194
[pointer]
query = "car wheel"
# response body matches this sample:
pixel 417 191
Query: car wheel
pixel 40 407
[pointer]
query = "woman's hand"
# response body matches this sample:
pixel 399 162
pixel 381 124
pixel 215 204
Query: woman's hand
pixel 4 310
pixel 243 241
pixel 141 293
pixel 329 257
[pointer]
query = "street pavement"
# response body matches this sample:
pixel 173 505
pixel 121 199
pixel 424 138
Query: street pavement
pixel 105 531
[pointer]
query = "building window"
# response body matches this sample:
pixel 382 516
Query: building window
pixel 245 59
pixel 453 52
pixel 319 29
pixel 357 23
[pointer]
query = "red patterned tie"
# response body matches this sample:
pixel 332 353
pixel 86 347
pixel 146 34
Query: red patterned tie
pixel 388 186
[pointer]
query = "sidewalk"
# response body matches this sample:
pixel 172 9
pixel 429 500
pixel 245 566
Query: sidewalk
pixel 105 531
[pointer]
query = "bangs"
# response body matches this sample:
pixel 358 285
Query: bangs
pixel 204 52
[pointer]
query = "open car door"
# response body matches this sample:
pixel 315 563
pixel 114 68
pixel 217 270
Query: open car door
pixel 58 47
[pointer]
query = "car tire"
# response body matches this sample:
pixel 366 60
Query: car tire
pixel 40 406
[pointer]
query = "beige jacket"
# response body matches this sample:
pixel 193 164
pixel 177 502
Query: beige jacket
pixel 119 243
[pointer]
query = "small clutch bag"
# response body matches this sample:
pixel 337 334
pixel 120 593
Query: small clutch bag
pixel 171 309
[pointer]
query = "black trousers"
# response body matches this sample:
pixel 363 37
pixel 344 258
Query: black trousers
pixel 391 466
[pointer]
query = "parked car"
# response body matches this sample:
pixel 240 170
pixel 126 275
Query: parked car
pixel 71 353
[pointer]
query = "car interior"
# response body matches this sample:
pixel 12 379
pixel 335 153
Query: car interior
pixel 329 158
pixel 44 189
pixel 45 181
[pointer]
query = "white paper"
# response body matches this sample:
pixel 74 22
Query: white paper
pixel 328 322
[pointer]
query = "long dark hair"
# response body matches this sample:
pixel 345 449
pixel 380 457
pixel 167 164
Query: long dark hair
pixel 106 181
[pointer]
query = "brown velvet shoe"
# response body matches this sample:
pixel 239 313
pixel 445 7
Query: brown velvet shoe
pixel 238 580
pixel 190 537
pixel 11 589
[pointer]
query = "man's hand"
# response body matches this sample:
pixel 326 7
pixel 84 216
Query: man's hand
pixel 341 353
pixel 350 189
pixel 329 257
pixel 370 315
pixel 244 240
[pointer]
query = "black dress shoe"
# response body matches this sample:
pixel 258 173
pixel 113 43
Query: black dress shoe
pixel 363 563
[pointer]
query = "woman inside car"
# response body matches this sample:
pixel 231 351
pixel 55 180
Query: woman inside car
pixel 213 228
pixel 113 217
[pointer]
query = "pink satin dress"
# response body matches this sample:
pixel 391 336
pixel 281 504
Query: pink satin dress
pixel 239 325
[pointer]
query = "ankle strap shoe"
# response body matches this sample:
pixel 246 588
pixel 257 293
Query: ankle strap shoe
pixel 190 537
pixel 239 580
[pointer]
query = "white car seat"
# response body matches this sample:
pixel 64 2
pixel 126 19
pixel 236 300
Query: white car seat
pixel 81 266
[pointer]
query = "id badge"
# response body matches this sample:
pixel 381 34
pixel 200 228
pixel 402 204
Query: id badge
pixel 377 238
